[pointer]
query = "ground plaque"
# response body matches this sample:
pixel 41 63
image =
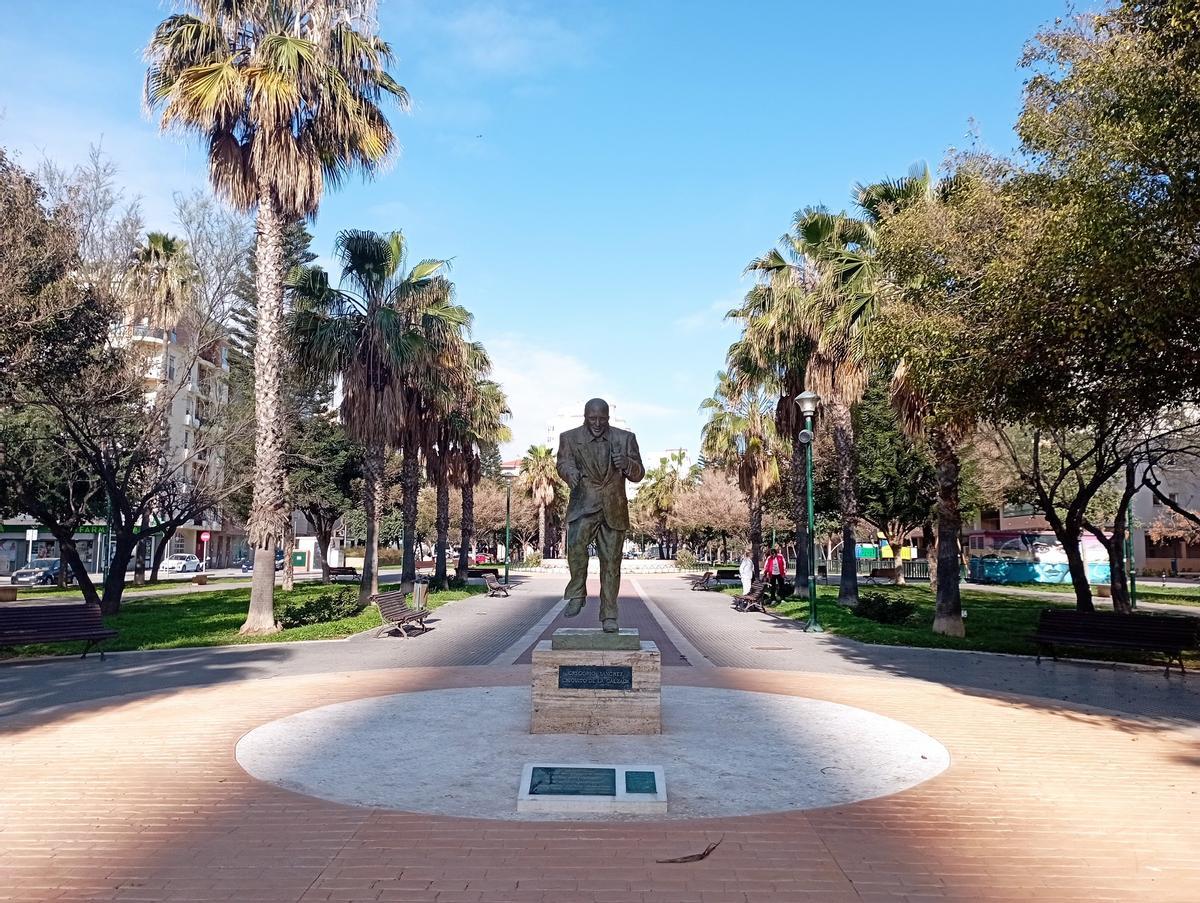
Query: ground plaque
pixel 592 787
pixel 595 677
pixel 559 781
pixel 640 782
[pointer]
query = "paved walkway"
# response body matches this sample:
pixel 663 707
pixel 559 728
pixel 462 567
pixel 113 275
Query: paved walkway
pixel 119 783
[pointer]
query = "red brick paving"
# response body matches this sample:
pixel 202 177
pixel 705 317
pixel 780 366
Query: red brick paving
pixel 140 799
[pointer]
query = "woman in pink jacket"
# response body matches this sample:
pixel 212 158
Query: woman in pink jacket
pixel 775 571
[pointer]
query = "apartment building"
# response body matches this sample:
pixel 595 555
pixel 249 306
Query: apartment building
pixel 191 373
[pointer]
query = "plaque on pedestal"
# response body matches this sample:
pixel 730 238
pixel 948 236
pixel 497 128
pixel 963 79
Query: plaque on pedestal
pixel 596 691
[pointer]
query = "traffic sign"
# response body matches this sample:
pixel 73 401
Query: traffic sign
pixel 204 536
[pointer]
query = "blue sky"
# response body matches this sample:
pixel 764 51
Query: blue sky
pixel 600 172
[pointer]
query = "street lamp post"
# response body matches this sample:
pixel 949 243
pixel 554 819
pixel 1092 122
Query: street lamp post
pixel 808 402
pixel 507 526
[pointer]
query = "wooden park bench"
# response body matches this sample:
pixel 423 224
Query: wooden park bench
pixel 704 581
pixel 753 600
pixel 397 614
pixel 24 624
pixel 483 570
pixel 344 572
pixel 1168 634
pixel 494 586
pixel 878 574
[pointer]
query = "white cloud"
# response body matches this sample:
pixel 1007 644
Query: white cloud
pixel 540 383
pixel 500 39
pixel 503 38
pixel 707 318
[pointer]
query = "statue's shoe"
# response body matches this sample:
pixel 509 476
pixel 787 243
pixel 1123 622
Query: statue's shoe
pixel 574 607
pixel 609 625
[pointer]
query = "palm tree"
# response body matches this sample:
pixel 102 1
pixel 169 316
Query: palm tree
pixel 659 491
pixel 369 332
pixel 539 471
pixel 773 352
pixel 287 97
pixel 159 284
pixel 444 460
pixel 432 385
pixel 740 436
pixel 482 429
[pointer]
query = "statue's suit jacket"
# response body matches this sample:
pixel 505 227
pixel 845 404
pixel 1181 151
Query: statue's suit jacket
pixel 586 466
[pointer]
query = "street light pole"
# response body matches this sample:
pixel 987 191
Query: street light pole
pixel 808 402
pixel 507 526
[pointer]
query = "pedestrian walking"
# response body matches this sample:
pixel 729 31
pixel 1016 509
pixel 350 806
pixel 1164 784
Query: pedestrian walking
pixel 776 571
pixel 746 571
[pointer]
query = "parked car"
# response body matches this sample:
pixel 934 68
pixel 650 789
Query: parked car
pixel 482 558
pixel 181 563
pixel 40 572
pixel 248 563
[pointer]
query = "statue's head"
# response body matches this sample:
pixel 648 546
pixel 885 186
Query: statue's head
pixel 595 415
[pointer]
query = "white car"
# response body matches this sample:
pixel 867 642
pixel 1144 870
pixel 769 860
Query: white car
pixel 181 563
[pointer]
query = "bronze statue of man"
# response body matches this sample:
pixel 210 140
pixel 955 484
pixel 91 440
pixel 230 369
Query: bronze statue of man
pixel 595 460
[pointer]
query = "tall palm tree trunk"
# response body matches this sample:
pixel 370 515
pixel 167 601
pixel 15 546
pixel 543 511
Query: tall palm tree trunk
pixel 800 513
pixel 543 535
pixel 756 532
pixel 268 511
pixel 289 555
pixel 467 533
pixel 443 530
pixel 410 485
pixel 843 444
pixel 947 618
pixel 373 463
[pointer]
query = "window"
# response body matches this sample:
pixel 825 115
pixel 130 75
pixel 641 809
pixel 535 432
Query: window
pixel 1165 549
pixel 1158 502
pixel 176 544
pixel 170 366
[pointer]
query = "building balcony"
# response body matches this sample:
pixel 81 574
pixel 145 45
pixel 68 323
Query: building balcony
pixel 148 334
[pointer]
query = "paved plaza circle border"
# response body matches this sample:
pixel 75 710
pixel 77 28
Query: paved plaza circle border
pixel 459 752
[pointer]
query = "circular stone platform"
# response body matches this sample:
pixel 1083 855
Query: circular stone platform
pixel 460 752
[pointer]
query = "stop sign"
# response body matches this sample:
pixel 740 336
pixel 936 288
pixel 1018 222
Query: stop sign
pixel 204 536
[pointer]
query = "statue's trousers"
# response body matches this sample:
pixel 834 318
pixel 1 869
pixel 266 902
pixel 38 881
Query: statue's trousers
pixel 581 533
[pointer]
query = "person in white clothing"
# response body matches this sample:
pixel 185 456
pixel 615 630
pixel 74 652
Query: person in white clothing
pixel 746 571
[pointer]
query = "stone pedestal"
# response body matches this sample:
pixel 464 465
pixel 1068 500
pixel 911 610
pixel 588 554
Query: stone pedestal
pixel 597 690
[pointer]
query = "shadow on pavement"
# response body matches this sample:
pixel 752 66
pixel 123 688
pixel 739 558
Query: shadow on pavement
pixel 39 688
pixel 1066 686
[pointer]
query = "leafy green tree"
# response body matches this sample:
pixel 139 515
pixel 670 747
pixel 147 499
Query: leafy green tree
pixel 43 475
pixel 287 98
pixel 896 482
pixel 323 468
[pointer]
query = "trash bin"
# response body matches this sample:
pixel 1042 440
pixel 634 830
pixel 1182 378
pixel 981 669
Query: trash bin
pixel 420 591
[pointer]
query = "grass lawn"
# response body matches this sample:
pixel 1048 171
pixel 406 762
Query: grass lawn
pixel 213 619
pixel 995 622
pixel 1150 591
pixel 72 592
